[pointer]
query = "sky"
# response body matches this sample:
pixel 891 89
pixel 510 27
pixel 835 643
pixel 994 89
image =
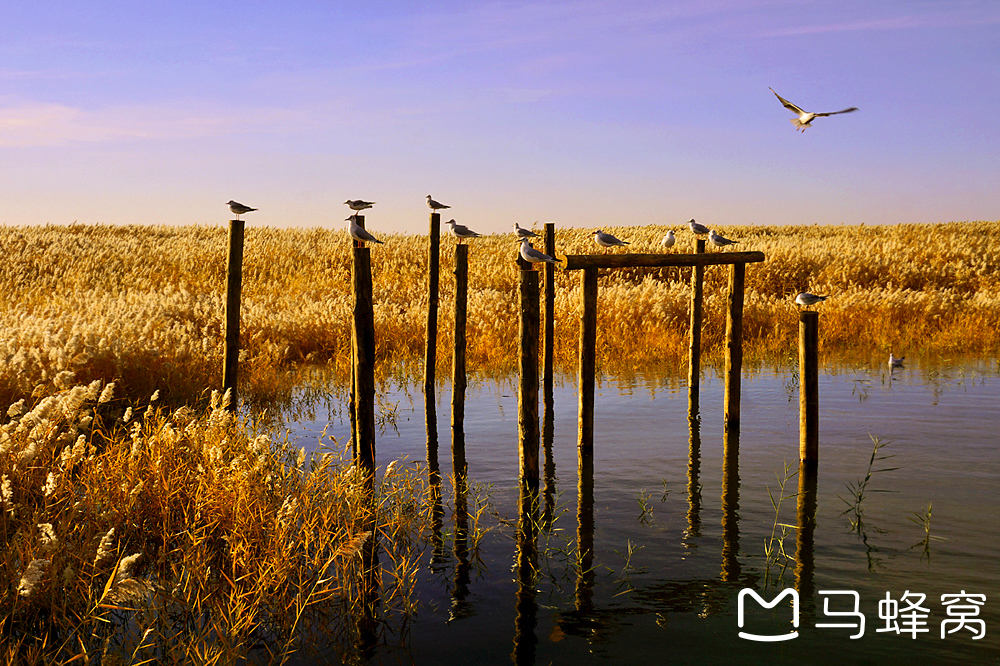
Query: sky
pixel 587 114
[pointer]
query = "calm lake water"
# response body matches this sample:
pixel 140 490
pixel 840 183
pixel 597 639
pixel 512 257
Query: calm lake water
pixel 679 528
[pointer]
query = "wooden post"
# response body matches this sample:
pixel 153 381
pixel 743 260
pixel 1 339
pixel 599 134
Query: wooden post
pixel 458 379
pixel 360 219
pixel 697 292
pixel 734 345
pixel 809 387
pixel 363 345
pixel 588 360
pixel 550 302
pixel 433 263
pixel 234 286
pixel 527 393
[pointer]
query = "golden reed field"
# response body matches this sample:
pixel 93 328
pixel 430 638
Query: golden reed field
pixel 143 306
pixel 141 522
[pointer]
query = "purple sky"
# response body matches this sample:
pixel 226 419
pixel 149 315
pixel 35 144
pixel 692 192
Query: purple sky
pixel 582 113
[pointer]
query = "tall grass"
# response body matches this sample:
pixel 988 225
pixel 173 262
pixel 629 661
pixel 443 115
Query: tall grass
pixel 143 306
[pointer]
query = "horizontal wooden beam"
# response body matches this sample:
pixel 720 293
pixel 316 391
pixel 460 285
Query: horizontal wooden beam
pixel 575 262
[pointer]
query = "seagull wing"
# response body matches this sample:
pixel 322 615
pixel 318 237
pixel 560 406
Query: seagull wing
pixel 833 113
pixel 788 105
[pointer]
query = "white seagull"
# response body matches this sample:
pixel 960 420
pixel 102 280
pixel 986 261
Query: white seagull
pixel 460 231
pixel 807 299
pixel 359 205
pixel 358 233
pixel 895 362
pixel 668 240
pixel 719 241
pixel 607 240
pixel 434 205
pixel 239 209
pixel 699 229
pixel 524 233
pixel 805 117
pixel 534 256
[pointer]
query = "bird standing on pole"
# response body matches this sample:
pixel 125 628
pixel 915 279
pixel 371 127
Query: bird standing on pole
pixel 239 209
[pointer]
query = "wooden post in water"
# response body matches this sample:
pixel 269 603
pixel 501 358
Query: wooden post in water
pixel 360 219
pixel 527 392
pixel 548 343
pixel 809 387
pixel 734 345
pixel 588 358
pixel 458 379
pixel 363 346
pixel 234 286
pixel 433 263
pixel 697 292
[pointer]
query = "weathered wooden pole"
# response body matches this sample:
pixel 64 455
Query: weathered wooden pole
pixel 363 345
pixel 458 378
pixel 234 285
pixel 360 219
pixel 809 387
pixel 527 392
pixel 734 344
pixel 548 348
pixel 588 358
pixel 433 264
pixel 697 296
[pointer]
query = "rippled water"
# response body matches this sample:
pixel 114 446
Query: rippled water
pixel 675 539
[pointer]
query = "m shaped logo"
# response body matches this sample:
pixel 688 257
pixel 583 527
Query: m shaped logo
pixel 790 592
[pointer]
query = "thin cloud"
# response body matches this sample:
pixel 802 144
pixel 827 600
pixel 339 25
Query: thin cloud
pixel 950 19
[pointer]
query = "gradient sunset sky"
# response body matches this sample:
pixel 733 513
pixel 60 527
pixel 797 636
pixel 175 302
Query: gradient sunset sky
pixel 582 113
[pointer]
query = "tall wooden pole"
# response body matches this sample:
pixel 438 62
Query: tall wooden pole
pixel 433 263
pixel 809 387
pixel 363 345
pixel 697 293
pixel 548 349
pixel 588 358
pixel 527 393
pixel 234 286
pixel 734 344
pixel 360 219
pixel 458 378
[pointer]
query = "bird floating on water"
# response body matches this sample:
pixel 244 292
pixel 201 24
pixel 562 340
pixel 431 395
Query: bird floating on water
pixel 719 241
pixel 805 118
pixel 359 233
pixel 524 233
pixel 607 240
pixel 239 209
pixel 534 256
pixel 460 231
pixel 668 240
pixel 807 299
pixel 895 362
pixel 699 229
pixel 359 205
pixel 434 205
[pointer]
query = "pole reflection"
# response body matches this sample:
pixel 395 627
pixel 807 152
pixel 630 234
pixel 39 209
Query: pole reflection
pixel 805 515
pixel 731 505
pixel 460 607
pixel 526 621
pixel 549 466
pixel 693 530
pixel 434 479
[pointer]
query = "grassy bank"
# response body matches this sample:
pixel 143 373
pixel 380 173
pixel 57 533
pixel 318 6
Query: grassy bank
pixel 143 306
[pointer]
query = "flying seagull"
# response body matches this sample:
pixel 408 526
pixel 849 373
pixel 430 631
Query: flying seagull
pixel 805 117
pixel 607 240
pixel 435 205
pixel 359 205
pixel 532 255
pixel 807 299
pixel 524 233
pixel 358 232
pixel 668 240
pixel 698 229
pixel 719 241
pixel 239 209
pixel 460 231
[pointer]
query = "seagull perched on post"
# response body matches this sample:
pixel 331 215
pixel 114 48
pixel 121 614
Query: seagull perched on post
pixel 668 240
pixel 807 299
pixel 434 205
pixel 805 117
pixel 534 256
pixel 460 231
pixel 719 241
pixel 358 232
pixel 698 229
pixel 524 233
pixel 359 205
pixel 607 240
pixel 239 209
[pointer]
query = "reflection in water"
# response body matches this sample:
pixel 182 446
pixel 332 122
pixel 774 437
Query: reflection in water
pixel 370 588
pixel 805 514
pixel 527 577
pixel 731 505
pixel 693 530
pixel 460 608
pixel 434 480
pixel 549 468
